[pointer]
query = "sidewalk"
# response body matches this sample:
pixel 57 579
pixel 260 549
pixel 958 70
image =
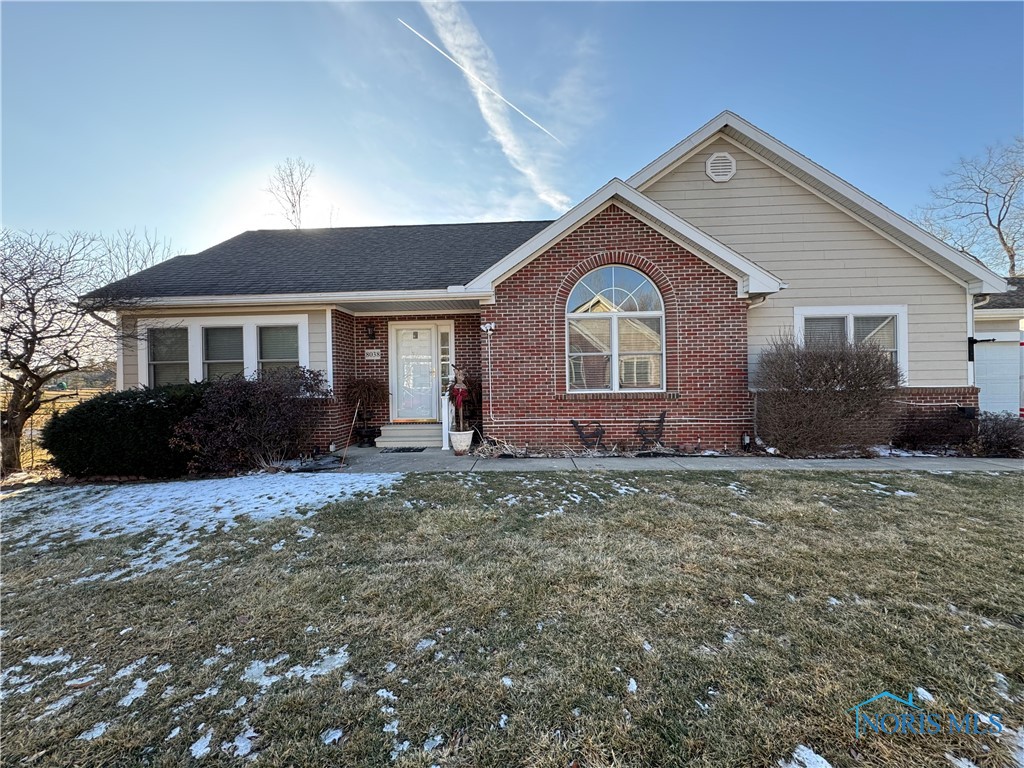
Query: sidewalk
pixel 435 460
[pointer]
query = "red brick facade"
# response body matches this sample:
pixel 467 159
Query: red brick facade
pixel 351 337
pixel 467 348
pixel 705 343
pixel 948 397
pixel 523 365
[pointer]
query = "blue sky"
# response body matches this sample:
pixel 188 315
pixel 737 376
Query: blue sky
pixel 172 115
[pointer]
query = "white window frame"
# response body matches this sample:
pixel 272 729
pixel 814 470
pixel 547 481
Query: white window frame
pixel 899 311
pixel 260 360
pixel 151 363
pixel 614 353
pixel 195 326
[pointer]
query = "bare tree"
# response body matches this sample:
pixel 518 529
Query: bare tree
pixel 46 333
pixel 289 185
pixel 980 208
pixel 127 251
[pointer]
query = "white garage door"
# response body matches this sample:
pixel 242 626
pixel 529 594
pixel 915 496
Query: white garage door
pixel 997 370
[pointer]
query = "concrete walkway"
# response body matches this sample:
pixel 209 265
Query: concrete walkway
pixel 436 460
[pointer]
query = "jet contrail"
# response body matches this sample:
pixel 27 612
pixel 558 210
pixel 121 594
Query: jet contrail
pixel 476 79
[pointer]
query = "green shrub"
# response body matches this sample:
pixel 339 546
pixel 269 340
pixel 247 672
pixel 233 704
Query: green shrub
pixel 123 433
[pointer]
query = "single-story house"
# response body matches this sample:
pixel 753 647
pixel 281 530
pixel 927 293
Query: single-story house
pixel 653 294
pixel 999 349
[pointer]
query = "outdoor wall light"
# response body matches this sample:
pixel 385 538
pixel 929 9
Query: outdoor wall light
pixel 487 328
pixel 371 331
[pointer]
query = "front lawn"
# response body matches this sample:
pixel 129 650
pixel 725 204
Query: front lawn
pixel 650 619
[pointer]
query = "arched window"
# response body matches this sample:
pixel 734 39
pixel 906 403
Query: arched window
pixel 615 328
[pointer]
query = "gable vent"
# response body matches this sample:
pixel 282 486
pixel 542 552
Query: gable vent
pixel 721 166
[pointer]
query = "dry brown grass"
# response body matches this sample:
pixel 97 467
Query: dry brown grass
pixel 645 582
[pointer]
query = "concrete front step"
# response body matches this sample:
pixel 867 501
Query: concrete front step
pixel 409 436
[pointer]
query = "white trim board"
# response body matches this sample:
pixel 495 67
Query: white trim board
pixel 435 326
pixel 750 278
pixel 452 292
pixel 899 310
pixel 1011 313
pixel 979 278
pixel 195 325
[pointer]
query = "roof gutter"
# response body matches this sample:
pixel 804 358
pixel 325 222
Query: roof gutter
pixel 456 292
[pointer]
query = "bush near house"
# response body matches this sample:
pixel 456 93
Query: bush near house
pixel 252 423
pixel 949 430
pixel 123 433
pixel 825 399
pixel 935 430
pixel 998 434
pixel 223 426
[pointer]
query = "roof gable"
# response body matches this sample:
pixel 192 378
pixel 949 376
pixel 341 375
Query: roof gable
pixel 750 278
pixel 977 277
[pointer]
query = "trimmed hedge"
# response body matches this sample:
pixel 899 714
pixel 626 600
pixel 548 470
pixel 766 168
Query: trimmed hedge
pixel 253 423
pixel 124 433
pixel 827 399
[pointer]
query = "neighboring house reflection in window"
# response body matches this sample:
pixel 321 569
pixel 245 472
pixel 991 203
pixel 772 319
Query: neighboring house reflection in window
pixel 168 356
pixel 615 322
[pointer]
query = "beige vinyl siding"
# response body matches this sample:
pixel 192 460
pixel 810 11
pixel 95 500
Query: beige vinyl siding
pixel 983 325
pixel 130 353
pixel 827 257
pixel 317 319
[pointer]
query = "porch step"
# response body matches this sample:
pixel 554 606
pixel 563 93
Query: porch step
pixel 409 436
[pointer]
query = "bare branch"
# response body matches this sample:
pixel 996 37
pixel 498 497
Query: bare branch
pixel 289 185
pixel 980 208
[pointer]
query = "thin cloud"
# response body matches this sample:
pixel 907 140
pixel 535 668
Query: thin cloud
pixel 471 54
pixel 473 77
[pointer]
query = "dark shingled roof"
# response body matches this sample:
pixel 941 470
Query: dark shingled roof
pixel 1012 299
pixel 420 257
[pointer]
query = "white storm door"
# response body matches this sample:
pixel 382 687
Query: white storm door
pixel 414 378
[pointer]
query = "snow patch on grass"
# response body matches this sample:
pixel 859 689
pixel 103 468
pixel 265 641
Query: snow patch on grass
pixel 256 672
pixel 332 735
pixel 137 691
pixel 175 513
pixel 201 746
pixel 243 743
pixel 55 658
pixel 805 757
pixel 93 733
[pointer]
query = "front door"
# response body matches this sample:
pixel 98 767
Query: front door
pixel 414 373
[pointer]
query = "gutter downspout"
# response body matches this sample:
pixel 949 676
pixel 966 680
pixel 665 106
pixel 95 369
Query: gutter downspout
pixel 750 305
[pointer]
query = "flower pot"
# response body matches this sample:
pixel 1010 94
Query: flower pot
pixel 461 442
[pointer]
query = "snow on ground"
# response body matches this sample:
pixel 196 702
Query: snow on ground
pixel 332 735
pixel 95 732
pixel 924 695
pixel 805 757
pixel 176 512
pixel 888 450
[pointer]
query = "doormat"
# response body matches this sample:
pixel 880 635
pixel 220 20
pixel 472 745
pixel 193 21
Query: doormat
pixel 402 450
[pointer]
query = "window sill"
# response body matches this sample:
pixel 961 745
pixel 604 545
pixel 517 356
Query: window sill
pixel 622 395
